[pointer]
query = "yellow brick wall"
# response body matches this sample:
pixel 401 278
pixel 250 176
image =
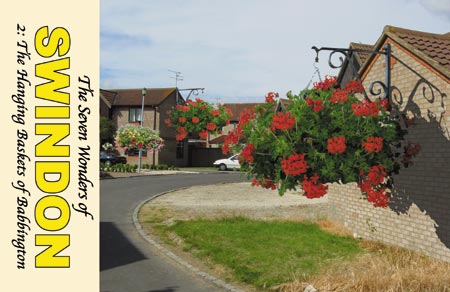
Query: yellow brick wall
pixel 418 217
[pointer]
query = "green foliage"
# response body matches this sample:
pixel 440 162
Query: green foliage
pixel 265 254
pixel 107 130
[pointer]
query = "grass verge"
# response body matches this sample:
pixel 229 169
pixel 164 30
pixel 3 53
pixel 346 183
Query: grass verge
pixel 264 254
pixel 380 268
pixel 288 256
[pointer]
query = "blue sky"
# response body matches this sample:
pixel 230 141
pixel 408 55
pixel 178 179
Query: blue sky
pixel 238 50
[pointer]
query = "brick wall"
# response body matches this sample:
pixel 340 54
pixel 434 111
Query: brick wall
pixel 418 217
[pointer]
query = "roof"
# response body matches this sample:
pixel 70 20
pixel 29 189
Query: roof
pixel 218 140
pixel 361 57
pixel 108 97
pixel 133 97
pixel 432 48
pixel 285 102
pixel 238 108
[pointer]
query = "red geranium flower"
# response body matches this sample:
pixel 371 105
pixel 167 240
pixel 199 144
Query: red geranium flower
pixel 266 183
pixel 294 165
pixel 182 107
pixel 282 121
pixel 247 152
pixel 270 97
pixel 373 144
pixel 195 120
pixel 326 84
pixel 168 122
pixel 373 186
pixel 336 145
pixel 211 126
pixel 246 116
pixel 376 175
pixel 181 134
pixel 215 112
pixel 379 198
pixel 316 105
pixel 313 188
pixel 354 87
pixel 339 95
pixel 203 134
pixel 182 120
pixel 366 108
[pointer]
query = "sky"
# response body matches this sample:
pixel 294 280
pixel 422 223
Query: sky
pixel 238 50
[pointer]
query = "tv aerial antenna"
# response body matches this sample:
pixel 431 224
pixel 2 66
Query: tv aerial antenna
pixel 177 77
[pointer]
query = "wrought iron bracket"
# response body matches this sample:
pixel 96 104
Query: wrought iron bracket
pixel 195 91
pixel 385 86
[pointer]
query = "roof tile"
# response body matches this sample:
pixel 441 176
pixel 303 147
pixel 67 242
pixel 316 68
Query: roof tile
pixel 133 97
pixel 435 47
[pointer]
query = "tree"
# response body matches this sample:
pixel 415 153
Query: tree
pixel 107 130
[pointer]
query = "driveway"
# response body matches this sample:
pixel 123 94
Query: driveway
pixel 127 262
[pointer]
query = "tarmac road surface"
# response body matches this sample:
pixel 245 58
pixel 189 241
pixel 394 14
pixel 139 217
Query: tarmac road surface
pixel 127 263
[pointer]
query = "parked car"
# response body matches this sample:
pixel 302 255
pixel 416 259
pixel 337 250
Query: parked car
pixel 228 163
pixel 110 158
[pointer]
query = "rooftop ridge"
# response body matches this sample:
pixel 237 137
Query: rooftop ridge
pixel 394 29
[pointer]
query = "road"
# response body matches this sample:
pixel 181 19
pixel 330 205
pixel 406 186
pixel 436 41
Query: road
pixel 127 263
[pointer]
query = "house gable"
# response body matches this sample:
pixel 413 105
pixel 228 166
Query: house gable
pixel 430 50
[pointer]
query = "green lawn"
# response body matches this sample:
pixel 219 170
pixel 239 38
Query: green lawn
pixel 261 253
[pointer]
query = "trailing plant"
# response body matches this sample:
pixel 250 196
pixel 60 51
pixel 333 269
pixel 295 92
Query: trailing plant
pixel 325 135
pixel 198 116
pixel 134 137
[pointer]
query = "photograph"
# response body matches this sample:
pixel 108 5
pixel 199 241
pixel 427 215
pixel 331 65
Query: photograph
pixel 274 146
pixel 290 146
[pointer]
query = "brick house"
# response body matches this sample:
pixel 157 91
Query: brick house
pixel 124 106
pixel 418 217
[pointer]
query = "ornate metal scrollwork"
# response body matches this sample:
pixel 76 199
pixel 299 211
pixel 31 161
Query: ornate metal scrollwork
pixel 194 91
pixel 378 90
pixel 383 88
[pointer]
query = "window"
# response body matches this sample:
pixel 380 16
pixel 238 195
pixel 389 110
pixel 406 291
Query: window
pixel 134 114
pixel 180 149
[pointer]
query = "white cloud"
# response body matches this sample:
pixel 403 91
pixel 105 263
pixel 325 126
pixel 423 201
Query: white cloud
pixel 440 6
pixel 238 49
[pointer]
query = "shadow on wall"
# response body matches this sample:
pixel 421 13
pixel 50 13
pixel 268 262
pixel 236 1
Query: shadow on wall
pixel 425 183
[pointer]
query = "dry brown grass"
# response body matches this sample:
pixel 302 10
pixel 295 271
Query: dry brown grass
pixel 381 268
pixel 332 227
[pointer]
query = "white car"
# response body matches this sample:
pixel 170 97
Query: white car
pixel 228 163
